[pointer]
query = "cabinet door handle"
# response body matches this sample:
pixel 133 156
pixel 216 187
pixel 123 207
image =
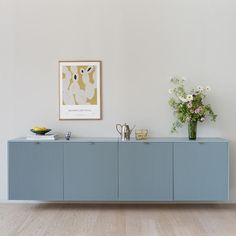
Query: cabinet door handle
pixel 37 142
pixel 201 142
pixel 146 142
pixel 91 143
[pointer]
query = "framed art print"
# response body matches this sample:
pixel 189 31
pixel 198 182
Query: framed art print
pixel 80 90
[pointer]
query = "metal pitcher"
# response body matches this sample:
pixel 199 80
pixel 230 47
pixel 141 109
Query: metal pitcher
pixel 124 131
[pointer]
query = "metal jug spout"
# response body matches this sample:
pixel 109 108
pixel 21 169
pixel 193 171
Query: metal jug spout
pixel 132 129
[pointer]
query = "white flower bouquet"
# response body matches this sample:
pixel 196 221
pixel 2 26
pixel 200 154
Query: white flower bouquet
pixel 189 107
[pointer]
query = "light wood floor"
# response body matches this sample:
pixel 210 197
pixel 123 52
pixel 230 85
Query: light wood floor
pixel 130 220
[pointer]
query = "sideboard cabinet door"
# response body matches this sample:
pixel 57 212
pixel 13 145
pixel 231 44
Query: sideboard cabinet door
pixel 90 171
pixel 35 171
pixel 201 171
pixel 145 171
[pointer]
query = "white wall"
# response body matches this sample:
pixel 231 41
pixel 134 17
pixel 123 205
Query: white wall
pixel 141 43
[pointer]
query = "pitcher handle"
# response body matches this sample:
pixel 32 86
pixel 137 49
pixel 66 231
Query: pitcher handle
pixel 119 131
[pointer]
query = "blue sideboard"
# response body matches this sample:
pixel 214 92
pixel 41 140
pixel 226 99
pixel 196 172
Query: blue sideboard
pixel 145 171
pixel 35 171
pixel 106 169
pixel 90 171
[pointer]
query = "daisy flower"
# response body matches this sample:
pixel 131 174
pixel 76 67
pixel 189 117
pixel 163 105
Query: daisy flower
pixel 208 88
pixel 189 97
pixel 189 105
pixel 182 99
pixel 202 119
pixel 199 88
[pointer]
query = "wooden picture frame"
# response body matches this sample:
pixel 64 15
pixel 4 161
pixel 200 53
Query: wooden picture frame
pixel 80 90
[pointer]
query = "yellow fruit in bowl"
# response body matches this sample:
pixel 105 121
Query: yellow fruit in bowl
pixel 36 128
pixel 39 128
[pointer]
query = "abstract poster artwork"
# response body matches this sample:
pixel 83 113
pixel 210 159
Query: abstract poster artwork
pixel 80 90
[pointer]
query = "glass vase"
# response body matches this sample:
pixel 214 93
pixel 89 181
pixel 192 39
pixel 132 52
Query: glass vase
pixel 192 130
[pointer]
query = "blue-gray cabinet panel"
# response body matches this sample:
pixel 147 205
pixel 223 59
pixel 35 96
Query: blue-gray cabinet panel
pixel 90 171
pixel 200 171
pixel 145 172
pixel 35 171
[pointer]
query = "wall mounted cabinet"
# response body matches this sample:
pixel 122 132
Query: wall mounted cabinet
pixel 163 169
pixel 200 171
pixel 35 171
pixel 145 171
pixel 90 171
